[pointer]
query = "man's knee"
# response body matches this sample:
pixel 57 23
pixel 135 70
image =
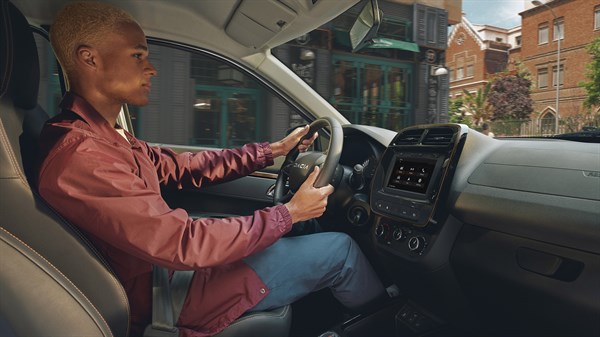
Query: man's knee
pixel 343 245
pixel 339 240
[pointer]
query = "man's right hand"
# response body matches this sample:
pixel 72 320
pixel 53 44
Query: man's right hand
pixel 309 202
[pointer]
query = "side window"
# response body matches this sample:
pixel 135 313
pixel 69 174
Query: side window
pixel 198 100
pixel 49 94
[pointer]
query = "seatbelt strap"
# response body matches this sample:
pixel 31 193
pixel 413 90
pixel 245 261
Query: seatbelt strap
pixel 180 284
pixel 162 312
pixel 166 306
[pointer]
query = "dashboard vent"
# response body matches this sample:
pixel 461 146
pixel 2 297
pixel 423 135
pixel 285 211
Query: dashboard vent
pixel 409 137
pixel 438 136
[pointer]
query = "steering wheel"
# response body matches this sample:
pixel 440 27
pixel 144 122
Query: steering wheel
pixel 296 169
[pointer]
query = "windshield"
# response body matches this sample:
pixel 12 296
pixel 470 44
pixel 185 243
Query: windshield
pixel 430 65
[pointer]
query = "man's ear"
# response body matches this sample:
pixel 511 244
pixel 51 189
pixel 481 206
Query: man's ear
pixel 87 57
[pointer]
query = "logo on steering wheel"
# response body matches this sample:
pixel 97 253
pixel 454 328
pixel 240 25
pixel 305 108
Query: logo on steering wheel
pixel 301 166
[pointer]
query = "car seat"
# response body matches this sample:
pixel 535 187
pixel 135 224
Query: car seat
pixel 53 282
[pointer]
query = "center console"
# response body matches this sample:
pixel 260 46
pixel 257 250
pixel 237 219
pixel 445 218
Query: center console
pixel 410 185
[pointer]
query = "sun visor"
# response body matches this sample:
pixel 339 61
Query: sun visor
pixel 254 23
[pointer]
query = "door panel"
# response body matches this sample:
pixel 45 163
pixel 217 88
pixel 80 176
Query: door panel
pixel 239 197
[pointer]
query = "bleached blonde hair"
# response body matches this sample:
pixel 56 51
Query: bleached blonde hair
pixel 83 23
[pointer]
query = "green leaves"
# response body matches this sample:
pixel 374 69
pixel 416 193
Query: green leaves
pixel 593 85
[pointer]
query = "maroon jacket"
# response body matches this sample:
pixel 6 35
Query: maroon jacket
pixel 110 188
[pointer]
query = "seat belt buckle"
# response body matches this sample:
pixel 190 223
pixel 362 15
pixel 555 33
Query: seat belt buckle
pixel 152 331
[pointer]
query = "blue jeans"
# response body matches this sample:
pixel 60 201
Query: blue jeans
pixel 296 266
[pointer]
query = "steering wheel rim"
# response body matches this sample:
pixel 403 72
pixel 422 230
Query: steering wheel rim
pixel 283 193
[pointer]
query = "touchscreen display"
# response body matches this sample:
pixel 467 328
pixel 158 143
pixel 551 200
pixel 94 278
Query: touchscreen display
pixel 413 176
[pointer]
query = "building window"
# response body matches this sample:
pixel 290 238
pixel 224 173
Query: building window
pixel 460 73
pixel 597 18
pixel 431 27
pixel 547 122
pixel 395 29
pixel 542 78
pixel 561 75
pixel 498 39
pixel 518 40
pixel 559 29
pixel 470 70
pixel 543 33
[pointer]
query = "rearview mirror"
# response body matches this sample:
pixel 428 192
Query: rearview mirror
pixel 366 26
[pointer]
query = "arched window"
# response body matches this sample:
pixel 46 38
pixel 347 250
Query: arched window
pixel 547 121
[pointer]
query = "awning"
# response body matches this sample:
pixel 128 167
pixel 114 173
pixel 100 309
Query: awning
pixel 382 42
pixel 378 42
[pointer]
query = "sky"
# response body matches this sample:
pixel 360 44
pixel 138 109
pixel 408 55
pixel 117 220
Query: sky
pixel 498 13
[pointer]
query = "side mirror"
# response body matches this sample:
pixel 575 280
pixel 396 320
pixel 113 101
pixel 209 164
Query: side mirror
pixel 366 26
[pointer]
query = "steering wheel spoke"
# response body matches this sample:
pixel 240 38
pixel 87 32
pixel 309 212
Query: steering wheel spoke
pixel 286 168
pixel 287 197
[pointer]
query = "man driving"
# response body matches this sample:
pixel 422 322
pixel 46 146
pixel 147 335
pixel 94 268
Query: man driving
pixel 104 180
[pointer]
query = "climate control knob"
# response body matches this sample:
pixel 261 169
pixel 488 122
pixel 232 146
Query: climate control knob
pixel 380 230
pixel 398 234
pixel 416 244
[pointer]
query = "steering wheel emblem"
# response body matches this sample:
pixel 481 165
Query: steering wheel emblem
pixel 301 166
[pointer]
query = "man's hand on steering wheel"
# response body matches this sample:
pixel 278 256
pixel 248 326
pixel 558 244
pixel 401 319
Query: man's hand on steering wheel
pixel 296 169
pixel 309 202
pixel 282 147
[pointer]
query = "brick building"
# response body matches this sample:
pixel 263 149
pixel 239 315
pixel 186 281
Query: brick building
pixel 576 23
pixel 476 52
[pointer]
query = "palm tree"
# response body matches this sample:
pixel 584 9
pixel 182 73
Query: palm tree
pixel 476 104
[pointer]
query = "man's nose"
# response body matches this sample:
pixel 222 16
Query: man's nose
pixel 150 69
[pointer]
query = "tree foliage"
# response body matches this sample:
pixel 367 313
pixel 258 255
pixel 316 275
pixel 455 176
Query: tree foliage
pixel 593 73
pixel 457 113
pixel 522 71
pixel 476 105
pixel 510 97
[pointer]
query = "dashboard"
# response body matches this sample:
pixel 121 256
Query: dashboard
pixel 483 231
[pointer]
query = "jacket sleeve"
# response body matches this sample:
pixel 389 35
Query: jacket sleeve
pixel 93 186
pixel 189 170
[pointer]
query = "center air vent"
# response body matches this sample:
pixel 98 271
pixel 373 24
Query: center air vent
pixel 438 136
pixel 408 137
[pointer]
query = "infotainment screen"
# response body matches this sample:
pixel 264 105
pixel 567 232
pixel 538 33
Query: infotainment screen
pixel 411 175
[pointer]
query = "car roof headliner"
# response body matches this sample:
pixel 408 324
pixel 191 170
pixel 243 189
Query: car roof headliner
pixel 204 23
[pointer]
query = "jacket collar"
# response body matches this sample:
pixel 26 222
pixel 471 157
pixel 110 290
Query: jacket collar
pixel 94 119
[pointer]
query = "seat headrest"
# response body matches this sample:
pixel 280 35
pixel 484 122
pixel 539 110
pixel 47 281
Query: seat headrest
pixel 19 63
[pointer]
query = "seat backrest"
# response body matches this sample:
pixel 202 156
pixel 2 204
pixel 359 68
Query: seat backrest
pixel 53 281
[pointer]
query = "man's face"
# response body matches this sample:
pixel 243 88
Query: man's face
pixel 124 72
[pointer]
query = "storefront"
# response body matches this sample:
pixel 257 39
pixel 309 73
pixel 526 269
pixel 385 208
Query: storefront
pixel 389 83
pixel 372 91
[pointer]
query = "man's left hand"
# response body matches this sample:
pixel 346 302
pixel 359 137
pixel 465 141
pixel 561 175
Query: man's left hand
pixel 282 147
